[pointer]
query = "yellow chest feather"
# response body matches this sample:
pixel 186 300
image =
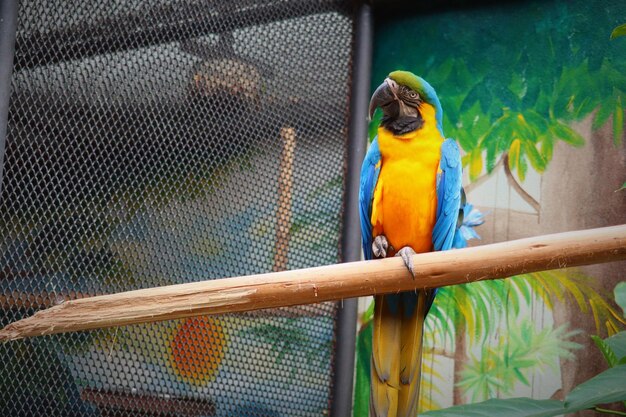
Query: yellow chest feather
pixel 405 198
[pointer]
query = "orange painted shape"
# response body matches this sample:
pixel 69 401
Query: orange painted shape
pixel 405 198
pixel 198 348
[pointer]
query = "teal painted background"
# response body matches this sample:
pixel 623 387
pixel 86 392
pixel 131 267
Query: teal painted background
pixel 519 71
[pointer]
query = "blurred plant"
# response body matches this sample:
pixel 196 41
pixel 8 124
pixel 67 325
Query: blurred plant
pixel 614 347
pixel 620 295
pixel 476 311
pixel 61 398
pixel 516 353
pixel 288 337
pixel 557 285
pixel 608 387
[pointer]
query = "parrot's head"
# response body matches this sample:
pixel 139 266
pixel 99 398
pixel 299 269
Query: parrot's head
pixel 407 102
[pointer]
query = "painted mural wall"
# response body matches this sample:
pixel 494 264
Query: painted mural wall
pixel 534 93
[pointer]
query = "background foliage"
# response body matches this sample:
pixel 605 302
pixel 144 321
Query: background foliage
pixel 608 387
pixel 511 81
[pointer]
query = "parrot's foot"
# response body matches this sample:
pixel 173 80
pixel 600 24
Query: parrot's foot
pixel 407 253
pixel 380 246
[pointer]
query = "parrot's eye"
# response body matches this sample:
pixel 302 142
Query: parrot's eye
pixel 412 94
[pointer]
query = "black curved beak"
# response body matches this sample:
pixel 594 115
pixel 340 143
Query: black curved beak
pixel 384 95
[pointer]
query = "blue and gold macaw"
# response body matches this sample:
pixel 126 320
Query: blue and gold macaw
pixel 410 202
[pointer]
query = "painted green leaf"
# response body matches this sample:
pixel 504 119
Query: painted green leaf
pixel 491 157
pixel 474 123
pixel 547 147
pixel 567 134
pixel 518 85
pixel 470 99
pixel 460 74
pixel 506 133
pixel 514 153
pixel 525 129
pixel 522 168
pixel 584 107
pixel 536 159
pixel 608 387
pixel 445 68
pixel 561 105
pixel 543 103
pixel 617 344
pixel 513 407
pixel 465 140
pixel 482 123
pixel 520 376
pixel 536 121
pixel 619 31
pixel 530 99
pixel 606 350
pixel 620 289
pixel 602 115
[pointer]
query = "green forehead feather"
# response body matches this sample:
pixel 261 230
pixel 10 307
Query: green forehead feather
pixel 408 79
pixel 416 84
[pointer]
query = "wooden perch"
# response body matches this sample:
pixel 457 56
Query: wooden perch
pixel 333 282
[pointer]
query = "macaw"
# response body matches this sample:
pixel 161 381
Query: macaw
pixel 410 202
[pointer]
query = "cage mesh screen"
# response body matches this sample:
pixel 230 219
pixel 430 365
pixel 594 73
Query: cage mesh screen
pixel 160 142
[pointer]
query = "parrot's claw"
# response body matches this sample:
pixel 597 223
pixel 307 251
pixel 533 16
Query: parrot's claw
pixel 380 246
pixel 407 253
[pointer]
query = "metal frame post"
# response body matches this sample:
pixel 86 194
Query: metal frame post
pixel 8 27
pixel 351 234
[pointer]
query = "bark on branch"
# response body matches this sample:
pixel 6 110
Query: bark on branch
pixel 333 282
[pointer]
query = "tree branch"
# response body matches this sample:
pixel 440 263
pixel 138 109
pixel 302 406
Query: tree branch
pixel 326 283
pixel 517 187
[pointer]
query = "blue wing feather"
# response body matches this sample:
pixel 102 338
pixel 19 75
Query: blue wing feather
pixel 369 177
pixel 448 201
pixel 448 196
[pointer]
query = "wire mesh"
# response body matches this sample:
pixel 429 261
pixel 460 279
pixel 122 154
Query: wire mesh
pixel 159 142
